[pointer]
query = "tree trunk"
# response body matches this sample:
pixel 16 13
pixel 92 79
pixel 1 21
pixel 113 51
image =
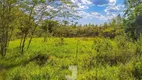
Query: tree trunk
pixel 23 43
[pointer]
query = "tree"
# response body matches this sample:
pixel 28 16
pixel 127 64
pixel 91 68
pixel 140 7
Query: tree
pixel 7 17
pixel 133 14
pixel 30 15
pixel 105 25
pixel 38 11
pixel 119 21
pixel 48 26
pixel 113 23
pixel 28 7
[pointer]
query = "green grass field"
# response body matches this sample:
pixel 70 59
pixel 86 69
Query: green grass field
pixel 95 58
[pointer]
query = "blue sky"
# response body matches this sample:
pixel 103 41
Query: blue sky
pixel 98 11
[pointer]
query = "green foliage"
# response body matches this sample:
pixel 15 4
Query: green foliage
pixel 133 26
pixel 82 31
pixel 137 69
pixel 114 52
pixel 97 58
pixel 139 46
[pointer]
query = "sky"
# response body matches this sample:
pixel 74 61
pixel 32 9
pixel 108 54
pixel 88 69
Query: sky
pixel 98 11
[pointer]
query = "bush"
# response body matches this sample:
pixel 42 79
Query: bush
pixel 137 69
pixel 139 46
pixel 113 52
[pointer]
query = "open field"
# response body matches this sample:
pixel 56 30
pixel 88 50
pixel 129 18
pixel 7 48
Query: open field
pixel 95 58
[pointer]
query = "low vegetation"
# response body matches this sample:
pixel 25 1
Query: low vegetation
pixel 97 58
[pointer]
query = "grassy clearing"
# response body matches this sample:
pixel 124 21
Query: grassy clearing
pixel 96 58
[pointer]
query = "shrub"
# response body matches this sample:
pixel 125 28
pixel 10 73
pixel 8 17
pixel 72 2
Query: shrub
pixel 113 52
pixel 137 69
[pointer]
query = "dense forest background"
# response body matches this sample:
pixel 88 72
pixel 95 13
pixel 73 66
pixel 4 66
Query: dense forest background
pixel 40 43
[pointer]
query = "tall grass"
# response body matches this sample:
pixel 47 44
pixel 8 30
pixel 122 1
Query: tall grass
pixel 96 58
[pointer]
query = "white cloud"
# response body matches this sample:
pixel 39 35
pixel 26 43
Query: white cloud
pixel 103 2
pixel 81 1
pixel 113 2
pixel 114 10
pixel 95 2
pixel 83 14
pixel 81 7
pixel 98 16
pixel 83 4
pixel 92 15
